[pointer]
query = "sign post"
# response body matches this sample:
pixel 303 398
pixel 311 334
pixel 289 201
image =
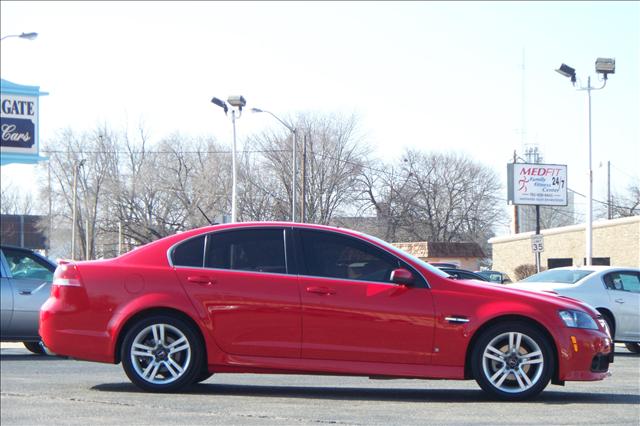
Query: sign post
pixel 537 185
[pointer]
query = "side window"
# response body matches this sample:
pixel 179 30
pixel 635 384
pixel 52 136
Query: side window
pixel 259 250
pixel 336 256
pixel 623 281
pixel 190 253
pixel 22 265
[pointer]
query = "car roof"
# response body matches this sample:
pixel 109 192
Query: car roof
pixel 596 268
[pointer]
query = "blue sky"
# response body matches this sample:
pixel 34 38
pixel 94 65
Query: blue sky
pixel 427 75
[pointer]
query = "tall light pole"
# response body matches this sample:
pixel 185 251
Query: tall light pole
pixel 237 102
pixel 604 66
pixel 293 160
pixel 26 36
pixel 76 167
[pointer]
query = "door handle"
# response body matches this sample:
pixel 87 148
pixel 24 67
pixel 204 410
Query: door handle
pixel 25 292
pixel 321 290
pixel 201 279
pixel 619 300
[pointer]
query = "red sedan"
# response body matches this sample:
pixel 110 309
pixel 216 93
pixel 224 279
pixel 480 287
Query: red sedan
pixel 290 298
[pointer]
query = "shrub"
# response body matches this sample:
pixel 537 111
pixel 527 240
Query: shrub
pixel 523 271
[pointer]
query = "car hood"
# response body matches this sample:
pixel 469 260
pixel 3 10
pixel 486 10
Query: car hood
pixel 528 294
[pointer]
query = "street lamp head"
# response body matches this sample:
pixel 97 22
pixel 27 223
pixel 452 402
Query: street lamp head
pixel 220 103
pixel 605 66
pixel 567 71
pixel 256 110
pixel 29 36
pixel 237 101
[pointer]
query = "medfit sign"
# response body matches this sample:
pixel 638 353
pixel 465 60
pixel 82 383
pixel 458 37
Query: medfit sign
pixel 537 184
pixel 19 123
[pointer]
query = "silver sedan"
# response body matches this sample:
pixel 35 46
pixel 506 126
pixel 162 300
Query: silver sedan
pixel 614 291
pixel 25 284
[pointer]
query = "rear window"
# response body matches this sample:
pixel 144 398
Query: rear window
pixel 189 253
pixel 564 276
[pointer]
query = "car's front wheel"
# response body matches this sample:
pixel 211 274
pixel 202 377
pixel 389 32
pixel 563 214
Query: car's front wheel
pixel 512 361
pixel 162 354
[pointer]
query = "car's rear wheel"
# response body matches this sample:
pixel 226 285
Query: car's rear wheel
pixel 512 361
pixel 204 375
pixel 162 354
pixel 633 347
pixel 35 347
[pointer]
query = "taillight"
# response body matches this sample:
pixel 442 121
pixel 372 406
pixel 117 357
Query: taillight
pixel 66 275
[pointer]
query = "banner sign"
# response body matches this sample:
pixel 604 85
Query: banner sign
pixel 19 123
pixel 537 184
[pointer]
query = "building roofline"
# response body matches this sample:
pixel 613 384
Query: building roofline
pixel 564 229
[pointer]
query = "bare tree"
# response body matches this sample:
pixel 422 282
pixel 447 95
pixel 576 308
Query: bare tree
pixel 335 155
pixel 435 197
pixel 629 203
pixel 91 155
pixel 12 201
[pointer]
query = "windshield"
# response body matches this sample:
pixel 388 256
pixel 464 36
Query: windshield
pixel 417 260
pixel 565 276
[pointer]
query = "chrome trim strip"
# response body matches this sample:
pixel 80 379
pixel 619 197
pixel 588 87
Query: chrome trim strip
pixel 458 320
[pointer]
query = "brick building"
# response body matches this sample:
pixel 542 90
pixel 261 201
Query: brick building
pixel 464 255
pixel 22 231
pixel 615 242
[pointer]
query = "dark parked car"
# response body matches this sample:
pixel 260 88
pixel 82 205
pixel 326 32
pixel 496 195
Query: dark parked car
pixel 443 265
pixel 495 276
pixel 25 284
pixel 463 274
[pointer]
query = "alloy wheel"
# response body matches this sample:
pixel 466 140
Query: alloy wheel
pixel 160 354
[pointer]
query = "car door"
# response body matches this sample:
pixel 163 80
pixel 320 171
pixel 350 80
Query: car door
pixel 623 289
pixel 30 278
pixel 351 309
pixel 6 299
pixel 240 282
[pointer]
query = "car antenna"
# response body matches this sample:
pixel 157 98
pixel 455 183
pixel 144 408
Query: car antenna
pixel 205 216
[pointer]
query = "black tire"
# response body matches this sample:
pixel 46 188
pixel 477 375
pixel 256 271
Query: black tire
pixel 168 357
pixel 35 347
pixel 502 367
pixel 633 347
pixel 203 376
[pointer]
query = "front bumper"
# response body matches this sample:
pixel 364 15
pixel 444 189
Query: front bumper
pixel 584 355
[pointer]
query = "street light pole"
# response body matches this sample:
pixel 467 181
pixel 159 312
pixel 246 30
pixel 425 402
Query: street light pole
pixel 237 102
pixel 589 230
pixel 293 160
pixel 234 188
pixel 604 66
pixel 26 36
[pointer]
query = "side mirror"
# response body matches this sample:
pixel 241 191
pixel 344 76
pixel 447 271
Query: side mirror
pixel 402 276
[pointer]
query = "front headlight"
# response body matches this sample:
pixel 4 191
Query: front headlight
pixel 578 319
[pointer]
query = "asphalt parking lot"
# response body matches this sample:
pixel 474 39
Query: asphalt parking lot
pixel 50 390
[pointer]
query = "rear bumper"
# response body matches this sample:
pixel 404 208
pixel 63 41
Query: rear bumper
pixel 584 355
pixel 60 332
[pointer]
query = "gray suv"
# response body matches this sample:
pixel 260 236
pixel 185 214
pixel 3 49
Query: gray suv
pixel 25 284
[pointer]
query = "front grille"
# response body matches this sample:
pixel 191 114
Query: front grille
pixel 600 363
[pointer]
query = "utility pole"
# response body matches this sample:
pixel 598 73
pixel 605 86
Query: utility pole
pixel 609 204
pixel 76 167
pixel 304 179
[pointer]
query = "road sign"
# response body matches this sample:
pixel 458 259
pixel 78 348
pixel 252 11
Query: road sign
pixel 537 243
